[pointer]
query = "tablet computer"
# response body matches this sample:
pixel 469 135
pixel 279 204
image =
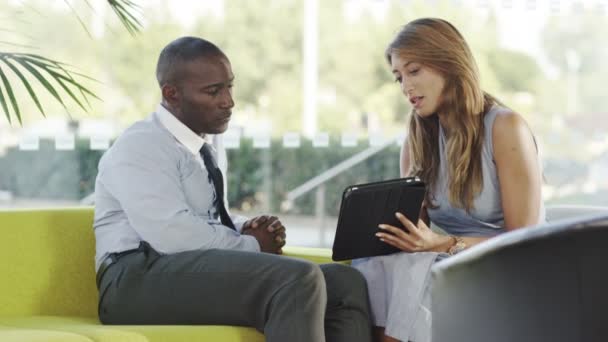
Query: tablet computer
pixel 365 206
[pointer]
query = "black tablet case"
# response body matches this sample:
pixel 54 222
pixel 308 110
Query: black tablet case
pixel 365 206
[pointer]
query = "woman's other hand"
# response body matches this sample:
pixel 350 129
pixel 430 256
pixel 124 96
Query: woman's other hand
pixel 419 239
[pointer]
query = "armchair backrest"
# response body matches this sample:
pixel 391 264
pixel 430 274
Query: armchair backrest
pixel 546 283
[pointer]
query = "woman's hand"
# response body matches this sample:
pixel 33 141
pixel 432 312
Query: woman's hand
pixel 419 239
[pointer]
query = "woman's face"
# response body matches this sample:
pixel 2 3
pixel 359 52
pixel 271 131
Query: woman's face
pixel 422 85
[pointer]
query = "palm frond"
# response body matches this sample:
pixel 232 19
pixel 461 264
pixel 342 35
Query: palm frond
pixel 47 71
pixel 4 106
pixel 84 27
pixel 124 11
pixel 44 70
pixel 59 65
pixel 26 84
pixel 84 92
pixel 11 96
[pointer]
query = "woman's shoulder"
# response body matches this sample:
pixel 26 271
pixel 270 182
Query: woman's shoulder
pixel 511 134
pixel 508 123
pixel 504 127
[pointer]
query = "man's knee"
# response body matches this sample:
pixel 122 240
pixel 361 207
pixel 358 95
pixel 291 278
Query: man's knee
pixel 303 282
pixel 345 283
pixel 344 276
pixel 308 275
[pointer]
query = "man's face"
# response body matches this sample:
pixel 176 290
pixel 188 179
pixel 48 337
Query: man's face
pixel 204 95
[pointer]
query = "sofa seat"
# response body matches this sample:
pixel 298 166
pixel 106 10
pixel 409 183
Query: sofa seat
pixel 13 334
pixel 47 284
pixel 68 329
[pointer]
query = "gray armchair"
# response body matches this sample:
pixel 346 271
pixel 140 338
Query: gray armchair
pixel 547 283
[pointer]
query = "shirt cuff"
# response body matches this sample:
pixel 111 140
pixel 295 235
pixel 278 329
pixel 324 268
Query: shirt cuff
pixel 251 243
pixel 238 221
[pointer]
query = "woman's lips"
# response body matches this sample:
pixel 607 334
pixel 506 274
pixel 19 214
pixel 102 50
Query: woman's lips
pixel 416 101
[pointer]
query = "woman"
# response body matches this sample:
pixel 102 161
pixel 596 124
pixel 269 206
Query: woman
pixel 478 159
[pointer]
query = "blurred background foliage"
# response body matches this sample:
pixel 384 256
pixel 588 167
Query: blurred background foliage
pixel 264 42
pixel 559 89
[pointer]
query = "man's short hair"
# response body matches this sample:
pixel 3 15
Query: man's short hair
pixel 180 51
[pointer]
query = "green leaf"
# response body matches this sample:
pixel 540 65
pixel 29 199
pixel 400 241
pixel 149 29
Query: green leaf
pixel 58 78
pixel 56 64
pixel 11 95
pixel 86 92
pixel 130 15
pixel 123 10
pixel 40 78
pixel 67 90
pixel 4 106
pixel 83 91
pixel 51 66
pixel 42 58
pixel 67 77
pixel 25 83
pixel 37 65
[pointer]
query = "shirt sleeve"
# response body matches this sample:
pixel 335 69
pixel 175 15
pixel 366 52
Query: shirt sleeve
pixel 238 221
pixel 145 180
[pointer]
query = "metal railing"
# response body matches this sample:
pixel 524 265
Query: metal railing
pixel 318 183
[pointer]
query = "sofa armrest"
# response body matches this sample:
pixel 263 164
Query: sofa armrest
pixel 316 255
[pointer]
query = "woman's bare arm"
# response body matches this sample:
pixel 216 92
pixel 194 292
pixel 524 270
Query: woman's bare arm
pixel 518 169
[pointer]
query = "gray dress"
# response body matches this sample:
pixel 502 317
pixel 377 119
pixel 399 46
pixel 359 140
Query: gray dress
pixel 398 284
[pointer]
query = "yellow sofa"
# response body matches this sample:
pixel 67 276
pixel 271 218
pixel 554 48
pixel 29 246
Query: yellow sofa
pixel 47 284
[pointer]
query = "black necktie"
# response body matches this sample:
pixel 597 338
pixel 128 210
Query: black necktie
pixel 215 176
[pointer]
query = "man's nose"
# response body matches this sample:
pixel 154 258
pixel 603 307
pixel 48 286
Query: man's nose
pixel 227 101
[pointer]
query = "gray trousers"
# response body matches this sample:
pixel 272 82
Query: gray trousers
pixel 285 298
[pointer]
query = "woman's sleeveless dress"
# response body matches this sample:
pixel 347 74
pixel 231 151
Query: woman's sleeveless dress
pixel 398 284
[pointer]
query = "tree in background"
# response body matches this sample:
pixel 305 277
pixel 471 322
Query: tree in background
pixel 576 95
pixel 577 48
pixel 263 39
pixel 356 93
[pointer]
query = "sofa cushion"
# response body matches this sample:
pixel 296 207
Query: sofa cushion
pixel 91 329
pixel 11 334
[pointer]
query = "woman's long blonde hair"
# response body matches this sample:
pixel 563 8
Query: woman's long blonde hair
pixel 437 44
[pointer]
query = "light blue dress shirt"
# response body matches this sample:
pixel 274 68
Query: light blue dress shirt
pixel 152 186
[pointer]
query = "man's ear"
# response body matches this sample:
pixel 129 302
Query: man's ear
pixel 171 94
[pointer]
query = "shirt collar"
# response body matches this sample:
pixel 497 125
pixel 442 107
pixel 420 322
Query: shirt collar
pixel 192 141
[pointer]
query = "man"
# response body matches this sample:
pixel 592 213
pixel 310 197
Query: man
pixel 168 252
